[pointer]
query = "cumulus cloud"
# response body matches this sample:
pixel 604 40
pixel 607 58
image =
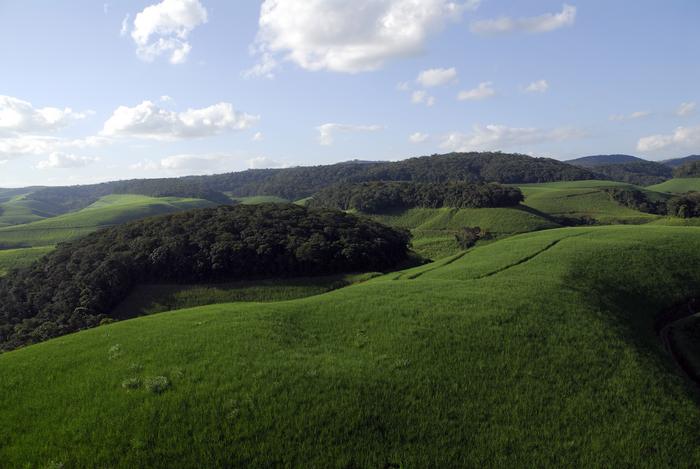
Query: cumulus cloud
pixel 262 162
pixel 24 145
pixel 422 97
pixel 539 86
pixel 536 24
pixel 327 132
pixel 349 37
pixel 21 117
pixel 483 91
pixel 418 137
pixel 686 109
pixel 632 116
pixel 147 120
pixel 501 137
pixel 437 77
pixel 164 28
pixel 683 138
pixel 65 160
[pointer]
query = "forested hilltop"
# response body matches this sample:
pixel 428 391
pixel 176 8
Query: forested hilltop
pixel 79 284
pixel 381 197
pixel 300 182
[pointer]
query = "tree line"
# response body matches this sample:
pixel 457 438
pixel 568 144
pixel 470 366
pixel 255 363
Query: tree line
pixel 682 206
pixel 300 182
pixel 78 285
pixel 383 196
pixel 688 170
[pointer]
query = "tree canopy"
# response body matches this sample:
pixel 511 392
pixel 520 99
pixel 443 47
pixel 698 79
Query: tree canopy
pixel 79 284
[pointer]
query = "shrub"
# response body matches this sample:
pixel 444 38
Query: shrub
pixel 157 384
pixel 131 383
pixel 468 236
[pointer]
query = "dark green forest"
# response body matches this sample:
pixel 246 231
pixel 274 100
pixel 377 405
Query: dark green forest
pixel 380 196
pixel 642 173
pixel 78 285
pixel 688 170
pixel 300 182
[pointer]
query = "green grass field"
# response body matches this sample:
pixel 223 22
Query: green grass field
pixel 433 229
pixel 107 211
pixel 678 185
pixel 577 199
pixel 536 350
pixel 17 209
pixel 157 298
pixel 18 258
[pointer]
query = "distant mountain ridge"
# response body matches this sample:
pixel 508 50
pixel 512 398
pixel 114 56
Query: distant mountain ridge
pixel 676 162
pixel 600 160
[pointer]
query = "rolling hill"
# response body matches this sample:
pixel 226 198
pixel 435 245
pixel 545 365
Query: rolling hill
pixel 676 162
pixel 678 185
pixel 540 347
pixel 601 160
pixel 107 211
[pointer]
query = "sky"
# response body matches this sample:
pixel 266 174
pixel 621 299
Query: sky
pixel 94 91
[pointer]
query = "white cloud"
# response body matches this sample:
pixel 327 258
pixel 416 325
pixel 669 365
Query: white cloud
pixel 686 109
pixel 147 120
pixel 65 160
pixel 437 77
pixel 350 37
pixel 164 28
pixel 422 97
pixel 14 147
pixel 188 164
pixel 258 137
pixel 536 24
pixel 501 137
pixel 21 117
pixel 632 116
pixel 124 30
pixel 262 162
pixel 328 131
pixel 403 86
pixel 418 137
pixel 165 98
pixel 683 138
pixel 483 91
pixel 539 86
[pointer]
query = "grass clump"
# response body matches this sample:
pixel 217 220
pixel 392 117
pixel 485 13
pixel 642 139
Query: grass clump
pixel 131 383
pixel 156 384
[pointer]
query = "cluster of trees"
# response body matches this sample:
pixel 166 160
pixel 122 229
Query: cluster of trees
pixel 382 196
pixel 637 200
pixel 469 235
pixel 641 173
pixel 79 284
pixel 300 182
pixel 688 170
pixel 682 206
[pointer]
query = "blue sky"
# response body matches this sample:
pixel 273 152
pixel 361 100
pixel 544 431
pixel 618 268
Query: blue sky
pixel 94 91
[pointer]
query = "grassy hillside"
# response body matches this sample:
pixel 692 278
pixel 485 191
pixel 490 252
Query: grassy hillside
pixel 433 229
pixel 582 199
pixel 17 258
pixel 678 185
pixel 260 199
pixel 150 299
pixel 17 209
pixel 107 211
pixel 538 348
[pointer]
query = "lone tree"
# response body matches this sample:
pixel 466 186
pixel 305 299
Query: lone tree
pixel 468 236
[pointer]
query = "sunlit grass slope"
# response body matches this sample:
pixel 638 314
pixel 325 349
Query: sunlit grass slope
pixel 107 211
pixel 678 185
pixel 260 199
pixel 17 258
pixel 536 350
pixel 434 229
pixel 17 209
pixel 577 199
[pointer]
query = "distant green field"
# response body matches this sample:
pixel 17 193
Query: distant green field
pixel 434 229
pixel 261 199
pixel 17 258
pixel 678 185
pixel 577 199
pixel 536 350
pixel 109 210
pixel 150 299
pixel 17 209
